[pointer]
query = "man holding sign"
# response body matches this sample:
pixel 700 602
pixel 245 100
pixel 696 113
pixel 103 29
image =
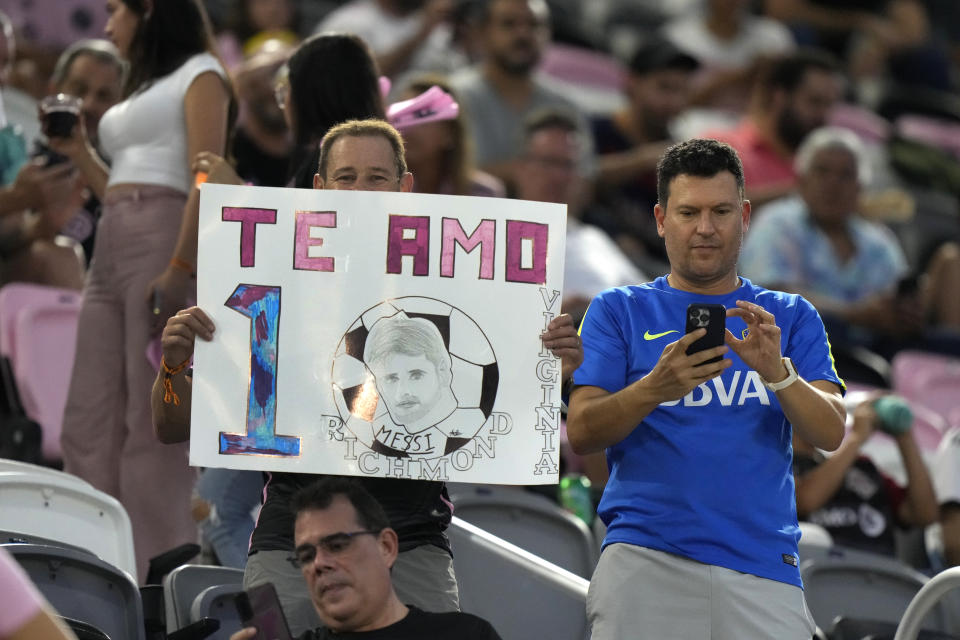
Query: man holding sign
pixel 368 156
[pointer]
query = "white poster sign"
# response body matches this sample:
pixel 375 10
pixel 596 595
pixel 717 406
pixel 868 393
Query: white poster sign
pixel 378 334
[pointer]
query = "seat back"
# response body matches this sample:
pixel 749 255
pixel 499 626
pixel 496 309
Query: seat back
pixel 217 602
pixel 83 587
pixel 38 333
pixel 861 585
pixel 65 508
pixel 531 522
pixel 520 597
pixel 182 586
pixel 928 379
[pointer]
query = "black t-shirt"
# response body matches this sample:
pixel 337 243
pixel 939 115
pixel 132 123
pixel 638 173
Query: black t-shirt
pixel 418 510
pixel 419 625
pixel 862 513
pixel 256 165
pixel 629 205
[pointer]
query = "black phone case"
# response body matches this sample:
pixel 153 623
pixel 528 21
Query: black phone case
pixel 259 607
pixel 714 318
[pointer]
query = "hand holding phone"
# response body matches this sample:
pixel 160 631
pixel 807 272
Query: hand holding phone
pixel 713 318
pixel 259 607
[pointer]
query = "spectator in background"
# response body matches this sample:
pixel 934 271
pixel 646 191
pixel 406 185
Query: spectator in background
pixel 404 35
pixel 13 145
pixel 262 142
pixel 549 171
pixel 177 103
pixel 31 249
pixel 872 37
pixel 630 141
pixel 251 23
pixel 503 90
pixel 440 154
pixel 946 480
pixel 848 496
pixel 816 244
pixel 727 40
pixel 792 97
pixel 25 614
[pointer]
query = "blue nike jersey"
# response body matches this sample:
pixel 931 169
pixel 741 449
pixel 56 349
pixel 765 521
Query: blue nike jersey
pixel 707 477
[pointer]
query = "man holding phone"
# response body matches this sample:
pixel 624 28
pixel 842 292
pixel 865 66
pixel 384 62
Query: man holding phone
pixel 345 549
pixel 700 513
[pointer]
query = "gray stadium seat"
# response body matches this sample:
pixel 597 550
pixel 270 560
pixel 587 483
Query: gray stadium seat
pixel 82 587
pixel 531 522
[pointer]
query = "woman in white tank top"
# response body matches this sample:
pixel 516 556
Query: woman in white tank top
pixel 177 104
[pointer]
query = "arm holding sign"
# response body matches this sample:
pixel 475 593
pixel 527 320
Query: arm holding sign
pixel 562 339
pixel 171 419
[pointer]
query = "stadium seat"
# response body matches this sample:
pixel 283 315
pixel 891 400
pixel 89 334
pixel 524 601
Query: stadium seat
pixel 862 586
pixel 84 588
pixel 531 522
pixel 217 602
pixel 928 379
pixel 38 333
pixel 65 508
pixel 521 596
pixel 182 586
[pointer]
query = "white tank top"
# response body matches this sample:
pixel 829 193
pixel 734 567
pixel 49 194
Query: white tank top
pixel 145 136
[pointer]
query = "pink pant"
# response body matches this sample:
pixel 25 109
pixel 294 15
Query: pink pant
pixel 107 429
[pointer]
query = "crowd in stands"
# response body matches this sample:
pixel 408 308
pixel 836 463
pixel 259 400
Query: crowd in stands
pixel 843 113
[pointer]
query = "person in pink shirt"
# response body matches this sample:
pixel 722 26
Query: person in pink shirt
pixel 25 614
pixel 792 98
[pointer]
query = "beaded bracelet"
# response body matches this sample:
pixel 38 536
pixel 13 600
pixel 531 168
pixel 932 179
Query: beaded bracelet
pixel 169 395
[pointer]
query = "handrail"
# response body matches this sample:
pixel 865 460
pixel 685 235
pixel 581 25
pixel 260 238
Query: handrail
pixel 929 595
pixel 569 583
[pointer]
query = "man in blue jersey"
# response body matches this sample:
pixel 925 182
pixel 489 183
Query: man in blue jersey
pixel 700 513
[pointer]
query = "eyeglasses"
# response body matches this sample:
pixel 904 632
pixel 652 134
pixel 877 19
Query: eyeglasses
pixel 281 84
pixel 334 544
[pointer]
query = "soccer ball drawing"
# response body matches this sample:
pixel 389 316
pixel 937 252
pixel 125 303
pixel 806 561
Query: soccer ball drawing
pixel 414 377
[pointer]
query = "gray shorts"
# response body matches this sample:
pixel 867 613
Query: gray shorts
pixel 642 593
pixel 422 577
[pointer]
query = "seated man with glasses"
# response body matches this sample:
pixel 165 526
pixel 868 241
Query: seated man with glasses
pixel 345 549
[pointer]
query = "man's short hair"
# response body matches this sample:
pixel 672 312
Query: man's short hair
pixel 100 50
pixel 833 138
pixel 400 333
pixel 371 127
pixel 698 157
pixel 789 70
pixel 319 495
pixel 549 118
pixel 482 9
pixel 658 53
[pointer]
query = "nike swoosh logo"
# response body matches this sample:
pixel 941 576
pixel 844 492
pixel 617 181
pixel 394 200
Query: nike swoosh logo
pixel 653 336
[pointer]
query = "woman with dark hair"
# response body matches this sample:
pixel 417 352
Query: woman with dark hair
pixel 347 89
pixel 177 104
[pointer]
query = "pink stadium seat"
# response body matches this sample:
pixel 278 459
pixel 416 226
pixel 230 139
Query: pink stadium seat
pixel 936 132
pixel 581 66
pixel 928 379
pixel 863 122
pixel 38 332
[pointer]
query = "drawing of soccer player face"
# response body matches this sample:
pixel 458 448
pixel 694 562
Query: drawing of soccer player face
pixel 409 386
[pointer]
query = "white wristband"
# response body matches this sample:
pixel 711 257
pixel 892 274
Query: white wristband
pixel 792 377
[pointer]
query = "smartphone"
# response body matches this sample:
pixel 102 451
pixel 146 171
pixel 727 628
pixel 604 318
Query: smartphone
pixel 259 607
pixel 713 317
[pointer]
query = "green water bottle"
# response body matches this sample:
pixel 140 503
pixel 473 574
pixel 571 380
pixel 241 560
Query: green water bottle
pixel 893 414
pixel 575 496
